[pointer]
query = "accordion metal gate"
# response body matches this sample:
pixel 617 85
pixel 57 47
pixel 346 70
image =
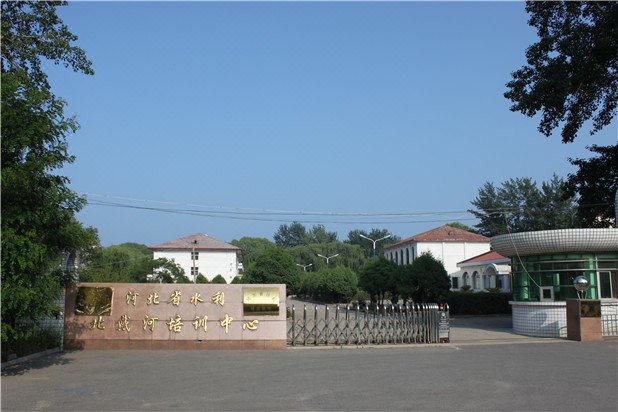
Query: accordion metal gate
pixel 387 324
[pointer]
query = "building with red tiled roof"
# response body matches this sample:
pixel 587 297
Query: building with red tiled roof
pixel 446 243
pixel 486 271
pixel 202 254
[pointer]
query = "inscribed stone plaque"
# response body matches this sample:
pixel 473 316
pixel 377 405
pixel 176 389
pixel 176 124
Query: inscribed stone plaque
pixel 590 308
pixel 261 301
pixel 94 301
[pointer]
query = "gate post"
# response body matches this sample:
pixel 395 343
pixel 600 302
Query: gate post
pixel 316 330
pixel 326 334
pixel 293 325
pixel 304 325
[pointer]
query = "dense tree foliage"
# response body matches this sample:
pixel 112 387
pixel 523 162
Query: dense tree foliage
pixel 165 271
pixel 350 256
pixel 355 238
pixel 378 277
pixel 518 205
pixel 296 234
pixel 275 265
pixel 220 280
pixel 130 263
pixel 595 184
pixel 571 72
pixel 428 279
pixel 252 247
pixel 335 285
pixel 461 226
pixel 38 208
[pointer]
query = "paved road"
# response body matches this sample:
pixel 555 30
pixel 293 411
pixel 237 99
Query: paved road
pixel 553 375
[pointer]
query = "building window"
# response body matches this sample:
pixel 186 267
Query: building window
pixel 195 271
pixel 475 280
pixel 195 255
pixel 455 282
pixel 401 257
pixel 407 256
pixel 466 280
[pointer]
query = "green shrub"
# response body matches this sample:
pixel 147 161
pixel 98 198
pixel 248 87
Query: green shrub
pixel 275 265
pixel 465 288
pixel 309 283
pixel 337 285
pixel 36 340
pixel 361 297
pixel 237 280
pixel 466 303
pixel 201 279
pixel 219 280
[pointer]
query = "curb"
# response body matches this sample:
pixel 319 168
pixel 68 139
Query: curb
pixel 30 357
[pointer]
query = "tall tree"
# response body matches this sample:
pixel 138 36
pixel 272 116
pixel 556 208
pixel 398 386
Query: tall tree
pixel 378 277
pixel 355 238
pixel 572 71
pixel 429 280
pixel 461 226
pixel 37 205
pixel 252 247
pixel 127 263
pixel 349 256
pixel 520 206
pixel 289 236
pixel 274 265
pixel 319 234
pixel 296 234
pixel 595 183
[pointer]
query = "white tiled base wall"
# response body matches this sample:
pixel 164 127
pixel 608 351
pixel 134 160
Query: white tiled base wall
pixel 548 319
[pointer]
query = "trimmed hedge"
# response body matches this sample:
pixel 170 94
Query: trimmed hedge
pixel 480 303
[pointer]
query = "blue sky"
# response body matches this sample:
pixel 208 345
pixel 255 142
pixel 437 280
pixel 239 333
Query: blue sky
pixel 330 107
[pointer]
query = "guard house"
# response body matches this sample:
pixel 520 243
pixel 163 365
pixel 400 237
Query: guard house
pixel 544 265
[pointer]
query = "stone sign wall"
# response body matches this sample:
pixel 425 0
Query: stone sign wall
pixel 174 316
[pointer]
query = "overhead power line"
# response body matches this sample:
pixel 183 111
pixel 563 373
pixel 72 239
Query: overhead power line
pixel 289 216
pixel 271 212
pixel 224 215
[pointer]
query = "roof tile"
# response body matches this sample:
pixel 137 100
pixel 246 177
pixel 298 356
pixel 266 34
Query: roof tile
pixel 443 234
pixel 198 241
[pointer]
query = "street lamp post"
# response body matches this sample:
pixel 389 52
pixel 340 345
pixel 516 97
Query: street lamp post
pixel 304 266
pixel 374 241
pixel 328 258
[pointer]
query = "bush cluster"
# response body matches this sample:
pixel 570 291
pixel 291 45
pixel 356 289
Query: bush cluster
pixel 482 303
pixel 330 285
pixel 35 339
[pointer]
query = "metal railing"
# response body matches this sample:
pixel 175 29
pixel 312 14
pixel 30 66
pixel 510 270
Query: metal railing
pixel 609 325
pixel 387 324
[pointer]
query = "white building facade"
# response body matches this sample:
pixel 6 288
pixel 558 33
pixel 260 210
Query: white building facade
pixel 448 244
pixel 490 270
pixel 202 254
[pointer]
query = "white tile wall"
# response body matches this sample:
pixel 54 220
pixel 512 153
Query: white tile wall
pixel 548 319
